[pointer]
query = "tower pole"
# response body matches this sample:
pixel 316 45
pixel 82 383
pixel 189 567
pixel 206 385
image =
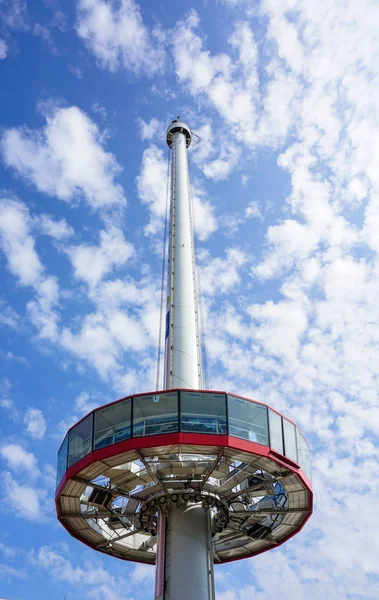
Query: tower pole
pixel 184 548
pixel 182 351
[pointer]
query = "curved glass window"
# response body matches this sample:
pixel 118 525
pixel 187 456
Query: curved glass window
pixel 62 460
pixel 155 414
pixel 303 452
pixel 276 432
pixel 203 412
pixel 113 424
pixel 247 420
pixel 290 447
pixel 80 440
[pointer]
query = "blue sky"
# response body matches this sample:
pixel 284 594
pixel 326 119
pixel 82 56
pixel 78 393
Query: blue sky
pixel 285 97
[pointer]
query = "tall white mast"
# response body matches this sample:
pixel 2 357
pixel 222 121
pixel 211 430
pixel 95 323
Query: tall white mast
pixel 184 549
pixel 182 351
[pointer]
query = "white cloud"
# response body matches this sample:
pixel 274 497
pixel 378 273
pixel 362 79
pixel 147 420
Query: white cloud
pixel 83 403
pixel 65 159
pixel 35 423
pixel 105 335
pixel 50 476
pixel 194 65
pixel 102 336
pixel 117 36
pixel 58 229
pixel 220 168
pixel 8 551
pixel 253 210
pixel 99 109
pixel 216 154
pixel 152 185
pixel 18 458
pixel 6 403
pixel 23 500
pixel 3 50
pixel 8 316
pixel 16 242
pixel 242 40
pixel 23 262
pixel 127 293
pixel 128 331
pixel 149 130
pixel 229 85
pixel 123 324
pixel 231 222
pixel 7 571
pixel 96 582
pixel 205 222
pixel 219 275
pixel 92 263
pixel 42 309
pixel 14 15
pixel 93 343
pixel 292 241
pixel 78 72
pixel 278 322
pixel 44 33
pixel 143 573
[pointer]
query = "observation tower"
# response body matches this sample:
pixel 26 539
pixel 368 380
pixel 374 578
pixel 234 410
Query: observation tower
pixel 183 478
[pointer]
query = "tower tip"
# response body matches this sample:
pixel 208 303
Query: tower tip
pixel 177 126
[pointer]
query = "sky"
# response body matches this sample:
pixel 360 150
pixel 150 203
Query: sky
pixel 285 98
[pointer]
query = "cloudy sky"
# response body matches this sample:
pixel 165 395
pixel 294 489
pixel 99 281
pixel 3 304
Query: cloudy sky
pixel 285 96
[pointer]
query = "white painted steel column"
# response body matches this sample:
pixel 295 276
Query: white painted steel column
pixel 182 364
pixel 189 571
pixel 184 548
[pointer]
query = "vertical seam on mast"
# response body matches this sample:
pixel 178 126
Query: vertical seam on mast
pixel 172 264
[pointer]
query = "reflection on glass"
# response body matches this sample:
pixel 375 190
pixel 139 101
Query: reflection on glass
pixel 289 431
pixel 112 424
pixel 154 414
pixel 62 460
pixel 247 420
pixel 276 433
pixel 303 451
pixel 80 440
pixel 203 412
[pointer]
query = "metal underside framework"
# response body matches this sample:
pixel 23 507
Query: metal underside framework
pixel 113 503
pixel 183 478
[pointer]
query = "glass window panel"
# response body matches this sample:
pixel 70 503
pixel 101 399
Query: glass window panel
pixel 203 412
pixel 113 424
pixel 247 420
pixel 289 431
pixel 80 440
pixel 62 460
pixel 304 455
pixel 276 432
pixel 155 414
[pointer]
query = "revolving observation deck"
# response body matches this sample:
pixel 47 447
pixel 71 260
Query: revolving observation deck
pixel 125 462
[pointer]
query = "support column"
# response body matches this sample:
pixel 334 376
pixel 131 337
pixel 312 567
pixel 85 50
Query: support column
pixel 183 368
pixel 184 548
pixel 189 568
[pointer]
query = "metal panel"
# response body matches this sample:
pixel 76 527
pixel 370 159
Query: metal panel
pixel 187 554
pixel 185 368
